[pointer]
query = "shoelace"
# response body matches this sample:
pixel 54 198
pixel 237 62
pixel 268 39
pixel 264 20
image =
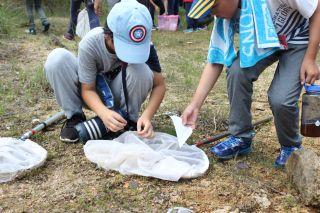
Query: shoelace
pixel 284 154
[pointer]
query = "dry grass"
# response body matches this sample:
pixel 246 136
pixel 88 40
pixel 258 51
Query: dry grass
pixel 69 182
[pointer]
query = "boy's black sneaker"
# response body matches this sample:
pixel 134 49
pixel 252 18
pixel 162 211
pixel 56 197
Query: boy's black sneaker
pixel 46 26
pixel 68 132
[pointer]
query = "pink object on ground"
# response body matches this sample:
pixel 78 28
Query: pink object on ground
pixel 168 22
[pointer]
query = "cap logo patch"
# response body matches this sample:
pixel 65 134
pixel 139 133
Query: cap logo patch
pixel 137 33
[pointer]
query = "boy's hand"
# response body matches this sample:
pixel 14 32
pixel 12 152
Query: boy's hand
pixel 190 115
pixel 144 127
pixel 112 120
pixel 309 72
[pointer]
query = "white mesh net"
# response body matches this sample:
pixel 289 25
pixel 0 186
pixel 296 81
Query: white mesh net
pixel 17 156
pixel 159 157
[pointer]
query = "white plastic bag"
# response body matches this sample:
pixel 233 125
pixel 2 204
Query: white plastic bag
pixel 160 157
pixel 83 25
pixel 17 156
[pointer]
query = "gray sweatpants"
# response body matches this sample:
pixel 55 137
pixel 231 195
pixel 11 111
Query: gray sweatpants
pixel 61 69
pixel 283 95
pixel 38 8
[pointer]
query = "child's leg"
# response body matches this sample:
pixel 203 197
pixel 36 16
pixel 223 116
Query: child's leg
pixel 284 94
pixel 139 83
pixel 172 7
pixel 176 7
pixel 93 17
pixel 240 89
pixel 40 11
pixel 61 70
pixel 152 11
pixel 29 6
pixel 190 21
pixel 160 4
pixel 74 10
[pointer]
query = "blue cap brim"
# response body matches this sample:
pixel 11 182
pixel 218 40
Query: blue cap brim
pixel 132 53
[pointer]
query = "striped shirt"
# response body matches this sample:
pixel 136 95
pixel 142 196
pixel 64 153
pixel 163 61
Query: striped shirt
pixel 291 18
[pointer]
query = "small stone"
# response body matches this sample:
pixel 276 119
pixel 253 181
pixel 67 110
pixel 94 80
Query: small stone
pixel 225 209
pixel 158 200
pixel 263 201
pixel 35 121
pixel 303 170
pixel 55 41
pixel 179 210
pixel 235 211
pixel 248 205
pixel 205 183
pixel 133 185
pixel 242 166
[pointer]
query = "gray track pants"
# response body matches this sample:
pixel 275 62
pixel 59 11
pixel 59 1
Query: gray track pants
pixel 38 8
pixel 61 69
pixel 283 95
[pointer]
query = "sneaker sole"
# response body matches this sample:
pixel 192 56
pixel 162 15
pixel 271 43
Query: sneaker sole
pixel 279 166
pixel 67 39
pixel 243 152
pixel 66 140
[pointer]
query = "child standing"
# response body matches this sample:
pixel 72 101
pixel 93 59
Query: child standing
pixel 297 23
pixel 94 11
pixel 44 21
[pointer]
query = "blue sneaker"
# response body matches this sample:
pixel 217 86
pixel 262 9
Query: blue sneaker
pixel 285 153
pixel 232 147
pixel 190 30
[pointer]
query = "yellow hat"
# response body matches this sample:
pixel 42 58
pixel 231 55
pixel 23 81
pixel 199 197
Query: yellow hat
pixel 200 7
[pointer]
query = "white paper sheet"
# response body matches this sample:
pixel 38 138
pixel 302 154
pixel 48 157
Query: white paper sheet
pixel 183 132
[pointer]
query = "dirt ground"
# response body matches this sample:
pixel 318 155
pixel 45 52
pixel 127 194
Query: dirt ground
pixel 68 182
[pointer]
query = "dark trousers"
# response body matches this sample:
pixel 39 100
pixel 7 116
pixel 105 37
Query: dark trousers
pixel 173 7
pixel 74 11
pixel 191 23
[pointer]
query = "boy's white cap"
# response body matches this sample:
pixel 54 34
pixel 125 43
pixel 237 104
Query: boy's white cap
pixel 131 25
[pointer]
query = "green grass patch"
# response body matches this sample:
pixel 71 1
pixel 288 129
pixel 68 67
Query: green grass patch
pixel 11 17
